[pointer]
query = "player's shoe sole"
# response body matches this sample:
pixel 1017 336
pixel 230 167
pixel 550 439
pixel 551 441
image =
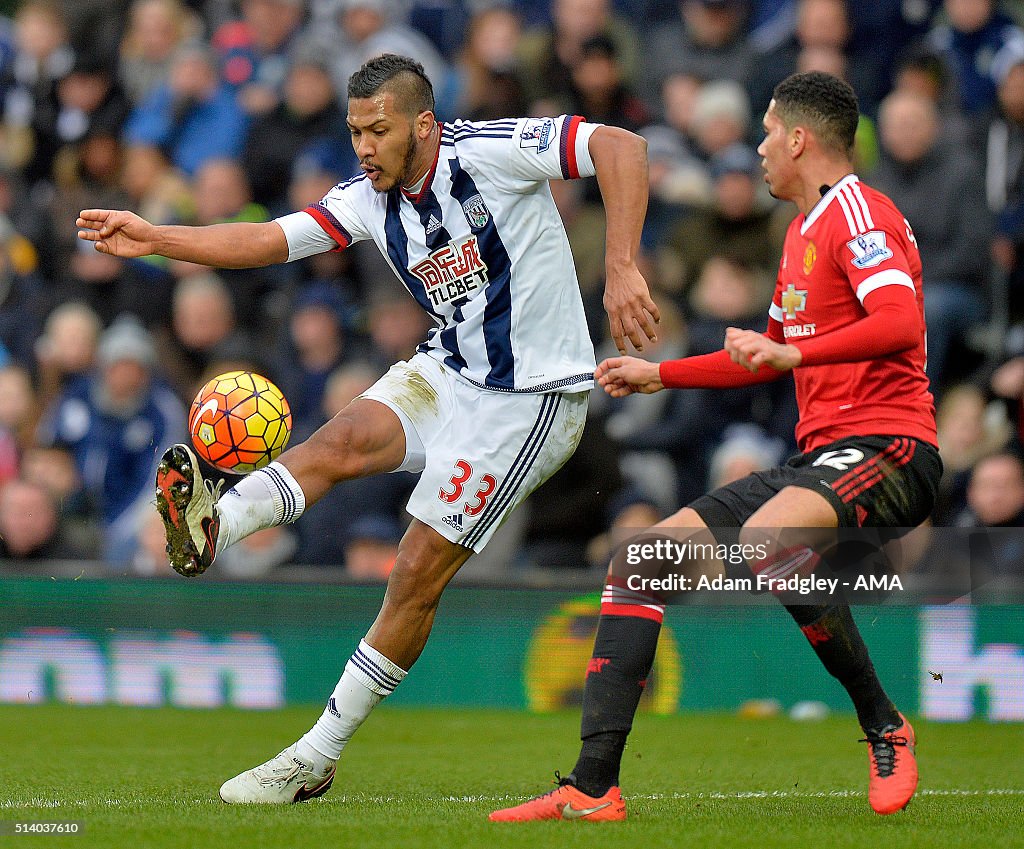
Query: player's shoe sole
pixel 566 803
pixel 283 780
pixel 188 506
pixel 892 767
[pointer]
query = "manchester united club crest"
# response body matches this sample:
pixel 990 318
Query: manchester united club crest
pixel 810 255
pixel 476 212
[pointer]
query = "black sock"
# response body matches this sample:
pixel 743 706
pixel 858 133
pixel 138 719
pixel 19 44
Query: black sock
pixel 834 636
pixel 623 656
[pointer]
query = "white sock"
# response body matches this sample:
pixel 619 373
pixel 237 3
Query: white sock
pixel 261 500
pixel 368 678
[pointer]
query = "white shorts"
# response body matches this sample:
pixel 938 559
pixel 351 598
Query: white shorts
pixel 481 452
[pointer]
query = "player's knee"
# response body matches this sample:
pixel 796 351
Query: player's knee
pixel 414 584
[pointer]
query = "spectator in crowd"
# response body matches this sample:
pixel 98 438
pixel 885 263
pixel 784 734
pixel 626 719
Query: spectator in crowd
pixel 29 524
pixel 110 286
pixel 707 41
pixel 487 67
pixel 155 188
pixel 90 102
pixel 255 51
pixel 156 30
pixel 316 347
pixel 366 28
pixel 396 326
pixel 745 449
pixel 66 350
pixel 721 117
pixel 995 499
pixel 22 294
pixel 43 57
pixel 221 193
pixel 1004 173
pixel 549 53
pixel 737 223
pixel 372 547
pixel 628 512
pixel 203 332
pixel 193 115
pixel 328 527
pixel 972 35
pixel 149 560
pixel 678 177
pixel 19 414
pixel 598 90
pixel 308 117
pixel 922 71
pixel 258 555
pixel 969 428
pixel 940 191
pixel 115 423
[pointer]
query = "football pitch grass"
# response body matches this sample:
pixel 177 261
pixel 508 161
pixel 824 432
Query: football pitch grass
pixel 143 778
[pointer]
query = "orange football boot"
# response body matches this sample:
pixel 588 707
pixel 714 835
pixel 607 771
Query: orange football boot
pixel 893 770
pixel 565 802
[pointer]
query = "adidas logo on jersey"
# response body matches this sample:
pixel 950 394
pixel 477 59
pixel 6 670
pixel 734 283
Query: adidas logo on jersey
pixel 454 521
pixel 433 225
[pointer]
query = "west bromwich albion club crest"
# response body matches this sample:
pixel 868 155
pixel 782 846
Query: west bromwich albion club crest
pixel 476 212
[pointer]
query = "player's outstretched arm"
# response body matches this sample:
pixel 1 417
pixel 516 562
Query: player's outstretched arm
pixel 620 160
pixel 622 376
pixel 236 245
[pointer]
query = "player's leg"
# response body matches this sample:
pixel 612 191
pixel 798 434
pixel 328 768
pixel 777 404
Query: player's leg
pixel 365 438
pixel 425 564
pixel 624 649
pixel 793 520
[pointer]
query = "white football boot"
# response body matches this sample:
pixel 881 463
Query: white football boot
pixel 284 779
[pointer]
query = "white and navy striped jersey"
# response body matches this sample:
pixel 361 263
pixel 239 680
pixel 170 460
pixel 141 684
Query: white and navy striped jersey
pixel 482 249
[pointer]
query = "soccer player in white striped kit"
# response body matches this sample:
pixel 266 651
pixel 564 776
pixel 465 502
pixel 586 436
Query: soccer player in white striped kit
pixel 491 405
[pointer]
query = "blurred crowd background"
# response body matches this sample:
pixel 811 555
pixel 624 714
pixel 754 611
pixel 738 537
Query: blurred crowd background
pixel 202 111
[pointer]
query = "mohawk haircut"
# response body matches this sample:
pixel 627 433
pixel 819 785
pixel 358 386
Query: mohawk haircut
pixel 400 75
pixel 823 103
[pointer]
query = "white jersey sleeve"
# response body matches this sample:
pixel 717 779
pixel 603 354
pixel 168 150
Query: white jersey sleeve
pixel 531 150
pixel 331 223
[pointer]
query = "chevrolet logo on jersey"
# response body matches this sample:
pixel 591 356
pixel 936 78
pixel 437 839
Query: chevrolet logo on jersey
pixel 452 271
pixel 793 301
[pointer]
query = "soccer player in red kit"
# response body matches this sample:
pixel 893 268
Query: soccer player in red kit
pixel 847 318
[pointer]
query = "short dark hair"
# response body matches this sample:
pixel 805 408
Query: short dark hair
pixel 822 102
pixel 402 76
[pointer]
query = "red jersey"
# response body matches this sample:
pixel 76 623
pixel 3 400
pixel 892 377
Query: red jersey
pixel 853 242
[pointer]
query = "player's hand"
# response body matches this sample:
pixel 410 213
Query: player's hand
pixel 117 232
pixel 622 376
pixel 631 312
pixel 752 350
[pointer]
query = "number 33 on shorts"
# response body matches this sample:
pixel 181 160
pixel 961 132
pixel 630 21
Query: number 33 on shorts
pixel 454 491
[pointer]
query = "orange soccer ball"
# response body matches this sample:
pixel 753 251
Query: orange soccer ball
pixel 240 422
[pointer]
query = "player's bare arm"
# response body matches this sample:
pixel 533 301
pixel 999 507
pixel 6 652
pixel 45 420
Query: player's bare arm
pixel 620 159
pixel 752 350
pixel 622 376
pixel 235 245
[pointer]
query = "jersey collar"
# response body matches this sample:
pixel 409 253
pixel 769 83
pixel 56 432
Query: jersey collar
pixel 429 177
pixel 826 199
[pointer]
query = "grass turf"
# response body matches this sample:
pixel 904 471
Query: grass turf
pixel 427 778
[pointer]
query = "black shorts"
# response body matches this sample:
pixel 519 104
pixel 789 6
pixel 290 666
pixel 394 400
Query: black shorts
pixel 871 481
